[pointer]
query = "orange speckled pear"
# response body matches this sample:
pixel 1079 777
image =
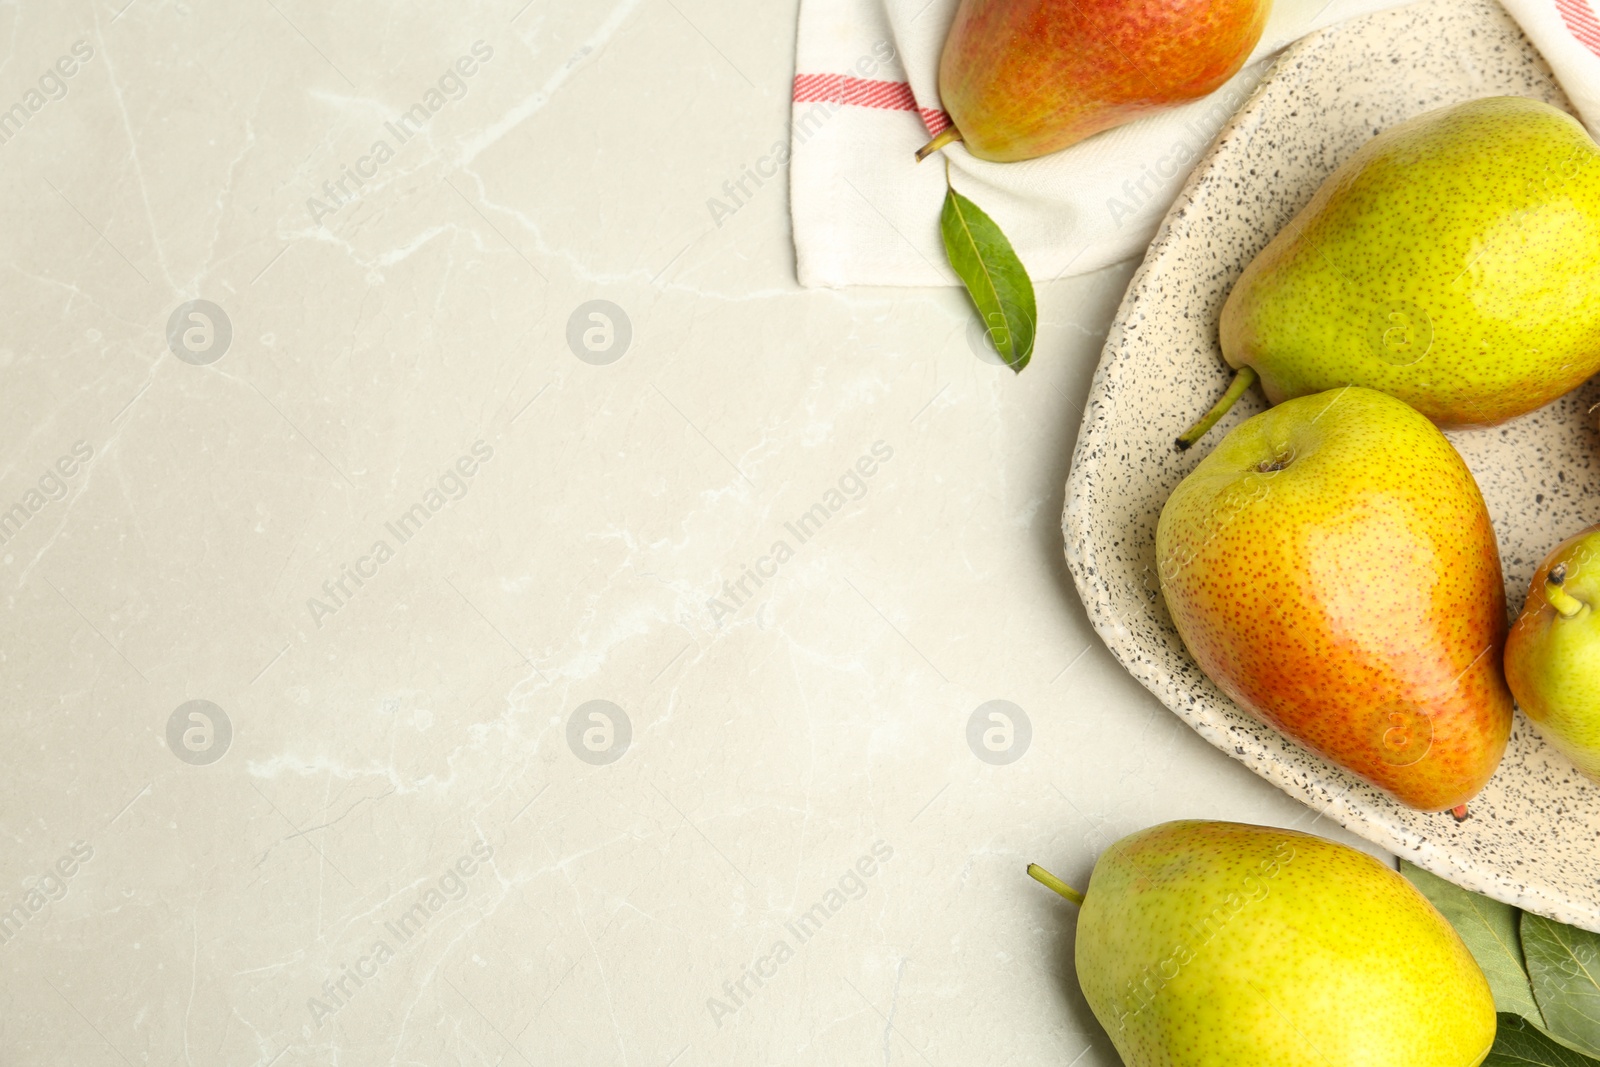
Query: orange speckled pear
pixel 1024 78
pixel 1453 262
pixel 1215 944
pixel 1332 568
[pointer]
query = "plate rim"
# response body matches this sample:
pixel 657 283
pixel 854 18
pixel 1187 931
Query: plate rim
pixel 1302 784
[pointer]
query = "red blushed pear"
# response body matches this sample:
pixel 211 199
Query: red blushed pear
pixel 1332 568
pixel 1024 78
pixel 1553 653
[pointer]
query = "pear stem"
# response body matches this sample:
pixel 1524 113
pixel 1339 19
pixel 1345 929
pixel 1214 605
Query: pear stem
pixel 949 137
pixel 1241 381
pixel 1039 874
pixel 1563 601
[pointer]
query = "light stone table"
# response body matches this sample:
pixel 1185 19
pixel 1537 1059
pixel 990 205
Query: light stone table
pixel 465 606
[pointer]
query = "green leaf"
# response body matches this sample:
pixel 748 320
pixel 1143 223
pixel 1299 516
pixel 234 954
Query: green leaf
pixel 994 277
pixel 1489 929
pixel 1518 1043
pixel 1564 966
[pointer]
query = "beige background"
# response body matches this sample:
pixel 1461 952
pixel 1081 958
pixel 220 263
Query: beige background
pixel 383 745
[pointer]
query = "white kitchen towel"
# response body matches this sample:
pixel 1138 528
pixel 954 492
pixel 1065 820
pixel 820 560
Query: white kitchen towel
pixel 1567 34
pixel 866 98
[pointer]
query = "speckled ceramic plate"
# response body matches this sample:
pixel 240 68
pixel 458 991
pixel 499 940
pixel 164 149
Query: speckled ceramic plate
pixel 1533 838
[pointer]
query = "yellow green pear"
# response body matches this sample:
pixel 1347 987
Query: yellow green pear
pixel 1453 262
pixel 1217 944
pixel 1553 653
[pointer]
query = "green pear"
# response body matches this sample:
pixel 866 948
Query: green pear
pixel 1453 262
pixel 1553 653
pixel 1217 944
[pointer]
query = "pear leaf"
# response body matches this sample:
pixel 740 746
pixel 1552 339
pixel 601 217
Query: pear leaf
pixel 994 277
pixel 1564 967
pixel 1489 929
pixel 1518 1043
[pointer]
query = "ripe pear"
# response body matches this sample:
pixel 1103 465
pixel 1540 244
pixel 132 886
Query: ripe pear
pixel 1024 78
pixel 1204 944
pixel 1453 262
pixel 1553 653
pixel 1332 568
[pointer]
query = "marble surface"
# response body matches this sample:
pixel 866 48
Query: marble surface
pixel 311 588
